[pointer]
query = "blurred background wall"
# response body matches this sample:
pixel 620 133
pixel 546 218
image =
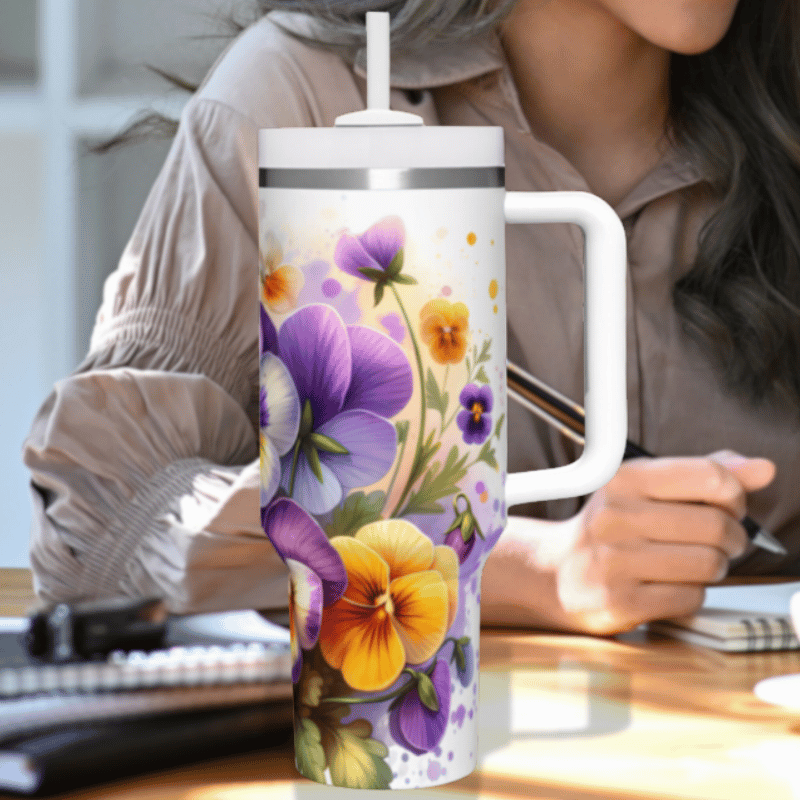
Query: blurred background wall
pixel 72 73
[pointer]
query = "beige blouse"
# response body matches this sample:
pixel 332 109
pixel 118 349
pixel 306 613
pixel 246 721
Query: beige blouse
pixel 144 462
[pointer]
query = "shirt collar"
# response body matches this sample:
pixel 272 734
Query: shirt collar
pixel 673 172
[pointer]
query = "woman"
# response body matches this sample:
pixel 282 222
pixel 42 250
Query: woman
pixel 683 115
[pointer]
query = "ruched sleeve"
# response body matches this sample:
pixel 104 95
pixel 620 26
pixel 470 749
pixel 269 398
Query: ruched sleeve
pixel 144 463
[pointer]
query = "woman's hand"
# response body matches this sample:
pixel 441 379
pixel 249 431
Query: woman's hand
pixel 647 543
pixel 643 547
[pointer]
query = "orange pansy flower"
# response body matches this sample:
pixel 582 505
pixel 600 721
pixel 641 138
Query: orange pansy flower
pixel 280 283
pixel 444 327
pixel 401 598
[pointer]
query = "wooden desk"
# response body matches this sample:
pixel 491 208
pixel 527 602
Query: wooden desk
pixel 561 717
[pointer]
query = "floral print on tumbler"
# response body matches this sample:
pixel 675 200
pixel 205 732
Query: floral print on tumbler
pixel 382 465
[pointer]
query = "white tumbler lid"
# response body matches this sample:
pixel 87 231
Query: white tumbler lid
pixel 378 137
pixel 397 147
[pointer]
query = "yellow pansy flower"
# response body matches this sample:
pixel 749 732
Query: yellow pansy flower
pixel 280 283
pixel 444 327
pixel 401 598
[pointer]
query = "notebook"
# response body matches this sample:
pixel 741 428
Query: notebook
pixel 230 648
pixel 739 618
pixel 222 684
pixel 63 758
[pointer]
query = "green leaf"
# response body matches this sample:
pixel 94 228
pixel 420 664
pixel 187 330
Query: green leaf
pixel 487 455
pixel 396 264
pixel 355 759
pixel 311 690
pixel 499 425
pixel 485 354
pixel 379 289
pixel 325 443
pixel 460 658
pixel 481 376
pixel 439 481
pixel 423 457
pixel 313 460
pixel 307 420
pixel 402 431
pixel 373 274
pixel 359 509
pixel 308 749
pixel 467 526
pixel 469 366
pixel 436 399
pixel 427 692
pixel 406 280
pixel 457 523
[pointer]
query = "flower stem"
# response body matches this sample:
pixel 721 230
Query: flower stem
pixel 397 467
pixel 353 700
pixel 444 389
pixel 449 422
pixel 294 466
pixel 423 402
pixel 407 685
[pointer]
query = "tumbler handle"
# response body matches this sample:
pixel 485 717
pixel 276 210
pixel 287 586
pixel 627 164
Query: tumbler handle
pixel 605 393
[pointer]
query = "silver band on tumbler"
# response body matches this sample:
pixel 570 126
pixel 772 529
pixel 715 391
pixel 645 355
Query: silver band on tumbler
pixel 419 178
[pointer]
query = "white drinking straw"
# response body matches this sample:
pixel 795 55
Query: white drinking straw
pixel 378 60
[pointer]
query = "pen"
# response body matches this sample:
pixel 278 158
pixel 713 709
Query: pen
pixel 568 417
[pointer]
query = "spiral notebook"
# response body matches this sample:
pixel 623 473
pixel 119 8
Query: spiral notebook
pixel 739 618
pixel 221 685
pixel 214 660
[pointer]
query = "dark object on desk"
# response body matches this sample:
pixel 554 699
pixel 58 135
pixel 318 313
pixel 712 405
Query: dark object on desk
pixel 80 631
pixel 67 758
pixel 568 417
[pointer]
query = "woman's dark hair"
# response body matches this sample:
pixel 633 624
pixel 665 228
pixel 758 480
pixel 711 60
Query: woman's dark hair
pixel 415 24
pixel 736 112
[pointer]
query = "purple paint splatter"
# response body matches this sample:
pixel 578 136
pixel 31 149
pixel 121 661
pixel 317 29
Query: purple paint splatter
pixel 394 326
pixel 331 288
pixel 458 716
pixel 318 285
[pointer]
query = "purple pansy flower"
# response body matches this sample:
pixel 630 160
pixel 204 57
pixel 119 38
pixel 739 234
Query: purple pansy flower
pixel 455 539
pixel 475 421
pixel 317 576
pixel 463 530
pixel 279 416
pixel 464 657
pixel 350 379
pixel 373 250
pixel 412 724
pixel 267 335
